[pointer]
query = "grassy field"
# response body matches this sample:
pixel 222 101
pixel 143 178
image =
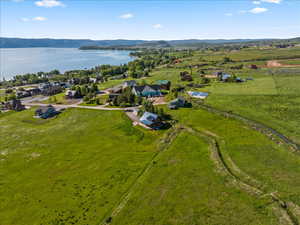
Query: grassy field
pixel 68 169
pixel 268 162
pixel 290 62
pixel 184 188
pixel 278 110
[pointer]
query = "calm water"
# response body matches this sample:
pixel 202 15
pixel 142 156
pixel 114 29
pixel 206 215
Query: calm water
pixel 14 61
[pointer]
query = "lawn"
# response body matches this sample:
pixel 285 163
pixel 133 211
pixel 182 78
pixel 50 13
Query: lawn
pixel 68 169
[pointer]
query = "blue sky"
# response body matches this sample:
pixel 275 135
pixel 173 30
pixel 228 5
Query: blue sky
pixel 150 19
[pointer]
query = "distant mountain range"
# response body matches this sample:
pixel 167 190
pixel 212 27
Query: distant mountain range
pixel 76 43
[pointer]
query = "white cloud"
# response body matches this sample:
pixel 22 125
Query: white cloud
pixel 157 26
pixel 272 1
pixel 127 16
pixel 258 10
pixel 39 18
pixel 228 14
pixel 49 3
pixel 25 19
pixel 256 2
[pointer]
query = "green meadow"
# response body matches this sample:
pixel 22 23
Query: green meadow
pixel 68 170
pixel 184 188
pixel 77 167
pixel 274 165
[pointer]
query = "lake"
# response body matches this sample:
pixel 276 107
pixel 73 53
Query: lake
pixel 18 61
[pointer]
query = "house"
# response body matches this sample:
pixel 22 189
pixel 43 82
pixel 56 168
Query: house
pixel 23 94
pixel 129 83
pixel 164 84
pixel 70 94
pixel 33 91
pixel 45 112
pixel 112 96
pixel 151 120
pixel 196 94
pixel 14 104
pixel 147 91
pixel 44 86
pixel 177 103
pixel 215 75
pixel 92 80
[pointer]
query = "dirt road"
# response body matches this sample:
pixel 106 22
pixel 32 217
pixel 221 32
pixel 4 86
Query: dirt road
pixel 100 107
pixel 275 64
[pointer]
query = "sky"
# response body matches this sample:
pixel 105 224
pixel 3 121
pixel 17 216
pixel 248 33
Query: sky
pixel 150 19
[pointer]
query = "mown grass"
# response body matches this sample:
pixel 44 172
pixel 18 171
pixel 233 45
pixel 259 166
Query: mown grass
pixel 56 99
pixel 259 86
pixel 184 188
pixel 69 169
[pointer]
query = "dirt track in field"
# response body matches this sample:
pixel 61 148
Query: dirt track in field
pixel 275 64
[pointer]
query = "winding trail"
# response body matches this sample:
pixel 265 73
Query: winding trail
pixel 288 213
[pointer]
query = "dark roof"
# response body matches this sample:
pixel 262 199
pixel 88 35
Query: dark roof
pixel 44 109
pixel 142 87
pixel 178 101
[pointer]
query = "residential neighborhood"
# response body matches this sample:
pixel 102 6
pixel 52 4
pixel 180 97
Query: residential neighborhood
pixel 129 93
